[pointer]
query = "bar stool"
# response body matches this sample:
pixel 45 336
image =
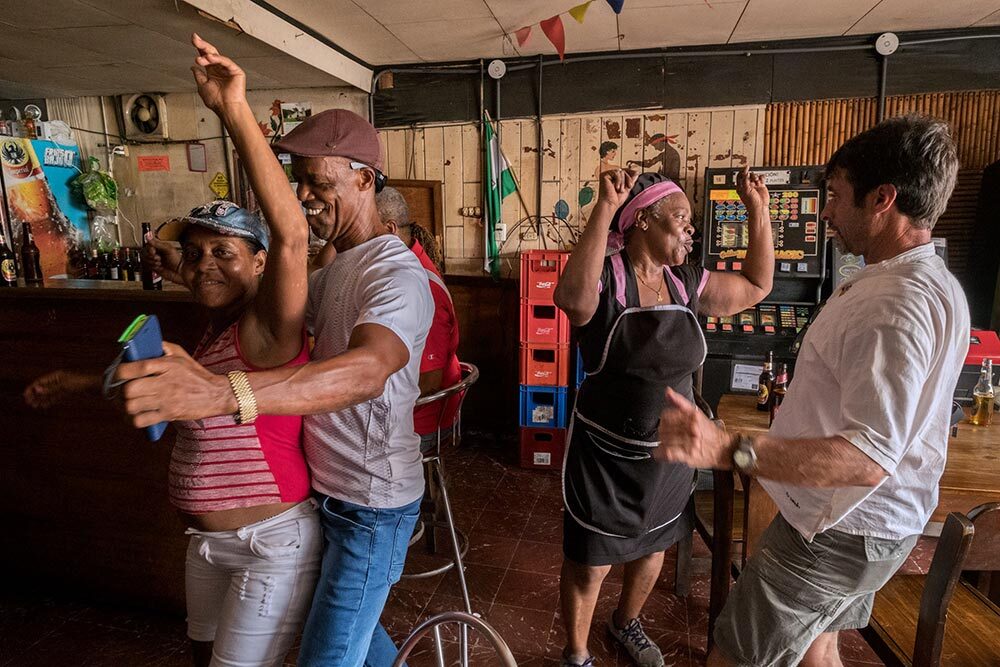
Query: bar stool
pixel 465 621
pixel 437 489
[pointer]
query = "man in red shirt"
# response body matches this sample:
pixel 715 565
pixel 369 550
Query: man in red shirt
pixel 439 364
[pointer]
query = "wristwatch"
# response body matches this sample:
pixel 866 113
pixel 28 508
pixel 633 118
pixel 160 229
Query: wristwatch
pixel 744 455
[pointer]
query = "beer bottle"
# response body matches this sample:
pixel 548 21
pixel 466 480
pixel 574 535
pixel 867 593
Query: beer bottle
pixel 93 265
pixel 114 265
pixel 764 384
pixel 8 268
pixel 778 391
pixel 31 258
pixel 150 279
pixel 982 396
pixel 105 266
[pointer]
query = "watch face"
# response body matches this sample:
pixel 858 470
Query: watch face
pixel 741 459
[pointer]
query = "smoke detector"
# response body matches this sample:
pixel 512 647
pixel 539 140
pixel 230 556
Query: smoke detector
pixel 886 43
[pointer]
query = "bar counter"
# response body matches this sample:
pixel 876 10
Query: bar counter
pixel 85 495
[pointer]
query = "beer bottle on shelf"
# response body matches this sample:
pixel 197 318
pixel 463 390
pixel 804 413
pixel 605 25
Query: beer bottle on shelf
pixel 105 266
pixel 778 391
pixel 93 265
pixel 8 267
pixel 983 395
pixel 765 383
pixel 114 265
pixel 31 258
pixel 150 279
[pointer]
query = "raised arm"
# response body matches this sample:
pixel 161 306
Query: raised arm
pixel 577 294
pixel 271 330
pixel 729 293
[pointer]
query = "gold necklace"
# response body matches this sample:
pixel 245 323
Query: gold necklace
pixel 657 292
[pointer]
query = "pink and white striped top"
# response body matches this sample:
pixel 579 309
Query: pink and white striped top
pixel 217 464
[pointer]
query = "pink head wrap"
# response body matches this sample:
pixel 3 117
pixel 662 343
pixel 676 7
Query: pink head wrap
pixel 626 214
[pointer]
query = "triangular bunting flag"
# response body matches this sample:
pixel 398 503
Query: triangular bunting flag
pixel 579 11
pixel 522 35
pixel 617 5
pixel 553 29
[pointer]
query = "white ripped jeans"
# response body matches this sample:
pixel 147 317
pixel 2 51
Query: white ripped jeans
pixel 249 590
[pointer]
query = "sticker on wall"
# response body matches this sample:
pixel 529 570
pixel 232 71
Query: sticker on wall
pixel 219 185
pixel 154 163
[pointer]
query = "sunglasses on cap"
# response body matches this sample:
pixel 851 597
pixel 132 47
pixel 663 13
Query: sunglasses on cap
pixel 380 178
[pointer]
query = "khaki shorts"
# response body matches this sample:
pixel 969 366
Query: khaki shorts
pixel 792 591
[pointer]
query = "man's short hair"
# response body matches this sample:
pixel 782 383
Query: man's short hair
pixel 607 147
pixel 915 153
pixel 392 206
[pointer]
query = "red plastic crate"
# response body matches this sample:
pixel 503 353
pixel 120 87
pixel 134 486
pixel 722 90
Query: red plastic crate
pixel 545 365
pixel 543 323
pixel 542 448
pixel 540 271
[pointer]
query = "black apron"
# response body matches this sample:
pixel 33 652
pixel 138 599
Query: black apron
pixel 626 501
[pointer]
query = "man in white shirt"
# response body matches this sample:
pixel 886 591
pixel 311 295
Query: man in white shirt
pixel 369 309
pixel 855 453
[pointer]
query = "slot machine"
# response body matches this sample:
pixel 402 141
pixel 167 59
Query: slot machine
pixel 738 344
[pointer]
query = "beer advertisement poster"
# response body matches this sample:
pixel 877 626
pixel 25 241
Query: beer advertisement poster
pixel 37 176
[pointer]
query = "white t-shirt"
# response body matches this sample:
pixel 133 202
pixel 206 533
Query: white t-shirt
pixel 879 367
pixel 369 454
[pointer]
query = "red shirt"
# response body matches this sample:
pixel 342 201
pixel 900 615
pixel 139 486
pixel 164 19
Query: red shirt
pixel 440 350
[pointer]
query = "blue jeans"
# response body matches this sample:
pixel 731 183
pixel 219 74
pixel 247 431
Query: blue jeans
pixel 364 553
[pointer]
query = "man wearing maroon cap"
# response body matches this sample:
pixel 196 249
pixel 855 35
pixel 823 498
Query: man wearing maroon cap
pixel 369 309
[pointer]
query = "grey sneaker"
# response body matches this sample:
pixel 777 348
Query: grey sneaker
pixel 589 662
pixel 643 651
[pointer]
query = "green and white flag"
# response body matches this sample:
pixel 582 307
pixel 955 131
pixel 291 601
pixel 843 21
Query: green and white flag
pixel 498 182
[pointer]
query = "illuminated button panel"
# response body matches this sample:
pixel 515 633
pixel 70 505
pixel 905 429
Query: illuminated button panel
pixel 765 319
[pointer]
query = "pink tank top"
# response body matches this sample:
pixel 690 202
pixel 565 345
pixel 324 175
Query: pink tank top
pixel 217 464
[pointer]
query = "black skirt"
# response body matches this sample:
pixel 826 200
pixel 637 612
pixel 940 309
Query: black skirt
pixel 586 547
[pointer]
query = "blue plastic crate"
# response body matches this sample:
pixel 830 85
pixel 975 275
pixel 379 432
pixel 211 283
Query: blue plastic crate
pixel 579 373
pixel 543 407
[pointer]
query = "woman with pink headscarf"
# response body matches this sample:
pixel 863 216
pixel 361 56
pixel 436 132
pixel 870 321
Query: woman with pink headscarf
pixel 634 302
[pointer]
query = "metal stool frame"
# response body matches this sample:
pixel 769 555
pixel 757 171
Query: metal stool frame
pixel 465 620
pixel 459 541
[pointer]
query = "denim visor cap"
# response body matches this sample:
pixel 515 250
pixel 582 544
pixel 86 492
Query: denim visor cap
pixel 223 217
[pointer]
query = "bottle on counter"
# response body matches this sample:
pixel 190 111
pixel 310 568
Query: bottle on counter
pixel 778 391
pixel 93 265
pixel 8 267
pixel 125 268
pixel 105 266
pixel 765 383
pixel 136 275
pixel 150 279
pixel 31 258
pixel 114 265
pixel 983 396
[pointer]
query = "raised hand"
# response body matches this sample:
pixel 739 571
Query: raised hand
pixel 164 258
pixel 222 84
pixel 687 436
pixel 752 191
pixel 616 185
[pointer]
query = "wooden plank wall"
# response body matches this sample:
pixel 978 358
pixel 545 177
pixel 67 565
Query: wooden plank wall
pixel 798 133
pixel 679 143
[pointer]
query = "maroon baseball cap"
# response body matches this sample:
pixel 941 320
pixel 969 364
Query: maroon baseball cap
pixel 334 133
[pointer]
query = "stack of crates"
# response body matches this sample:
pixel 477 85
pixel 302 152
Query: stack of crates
pixel 545 361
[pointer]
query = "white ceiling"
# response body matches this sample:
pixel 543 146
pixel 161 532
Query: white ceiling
pixel 85 47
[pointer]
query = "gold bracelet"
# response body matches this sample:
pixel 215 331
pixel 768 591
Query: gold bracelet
pixel 245 399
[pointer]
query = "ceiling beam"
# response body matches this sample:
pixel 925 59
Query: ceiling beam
pixel 254 20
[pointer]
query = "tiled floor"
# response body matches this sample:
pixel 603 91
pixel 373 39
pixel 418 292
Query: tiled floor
pixel 513 519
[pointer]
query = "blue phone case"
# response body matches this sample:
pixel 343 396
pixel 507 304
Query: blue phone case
pixel 144 341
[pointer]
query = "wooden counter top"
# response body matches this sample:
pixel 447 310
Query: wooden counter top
pixel 971 475
pixel 101 290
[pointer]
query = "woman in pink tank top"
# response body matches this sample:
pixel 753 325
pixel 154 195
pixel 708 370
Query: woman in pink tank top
pixel 243 489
